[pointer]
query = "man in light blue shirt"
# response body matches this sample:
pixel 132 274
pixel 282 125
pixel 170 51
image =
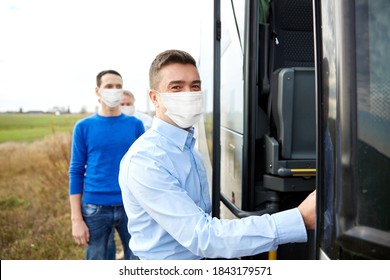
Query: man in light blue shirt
pixel 165 189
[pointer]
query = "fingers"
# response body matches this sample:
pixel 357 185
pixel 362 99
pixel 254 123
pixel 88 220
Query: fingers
pixel 81 240
pixel 81 235
pixel 308 210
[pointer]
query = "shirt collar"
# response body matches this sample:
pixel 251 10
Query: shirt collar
pixel 180 137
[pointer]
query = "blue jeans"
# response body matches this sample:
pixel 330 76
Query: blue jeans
pixel 111 253
pixel 101 222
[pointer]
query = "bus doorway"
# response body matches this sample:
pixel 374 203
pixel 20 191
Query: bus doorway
pixel 302 89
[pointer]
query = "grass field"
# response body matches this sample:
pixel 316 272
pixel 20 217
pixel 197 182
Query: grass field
pixel 34 202
pixel 30 127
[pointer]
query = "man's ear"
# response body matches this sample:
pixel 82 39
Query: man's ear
pixel 97 91
pixel 153 97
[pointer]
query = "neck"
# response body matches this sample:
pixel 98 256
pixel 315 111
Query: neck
pixel 109 112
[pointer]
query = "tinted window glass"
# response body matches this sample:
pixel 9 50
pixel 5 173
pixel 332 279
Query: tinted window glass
pixel 373 98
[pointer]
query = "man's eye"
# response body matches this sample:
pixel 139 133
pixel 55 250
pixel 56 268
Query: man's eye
pixel 176 88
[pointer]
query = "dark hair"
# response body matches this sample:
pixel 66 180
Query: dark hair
pixel 101 74
pixel 166 58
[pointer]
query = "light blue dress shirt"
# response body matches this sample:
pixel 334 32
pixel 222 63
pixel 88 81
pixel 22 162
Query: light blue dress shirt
pixel 166 197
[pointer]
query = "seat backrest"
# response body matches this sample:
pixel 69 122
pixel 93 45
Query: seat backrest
pixel 293 108
pixel 291 66
pixel 292 43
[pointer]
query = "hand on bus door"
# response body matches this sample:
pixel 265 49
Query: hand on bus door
pixel 308 210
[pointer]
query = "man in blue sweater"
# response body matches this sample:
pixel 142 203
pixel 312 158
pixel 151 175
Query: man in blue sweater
pixel 98 145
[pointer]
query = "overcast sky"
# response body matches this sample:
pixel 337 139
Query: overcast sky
pixel 51 51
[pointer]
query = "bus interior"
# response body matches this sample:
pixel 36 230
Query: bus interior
pixel 301 101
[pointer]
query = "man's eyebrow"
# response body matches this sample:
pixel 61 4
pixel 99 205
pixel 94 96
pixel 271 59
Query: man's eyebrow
pixel 182 82
pixel 176 82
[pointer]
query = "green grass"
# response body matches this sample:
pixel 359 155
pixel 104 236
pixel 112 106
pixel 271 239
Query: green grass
pixel 35 221
pixel 30 127
pixel 34 202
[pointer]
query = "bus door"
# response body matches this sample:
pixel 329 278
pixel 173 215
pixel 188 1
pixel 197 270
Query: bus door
pixel 353 84
pixel 267 110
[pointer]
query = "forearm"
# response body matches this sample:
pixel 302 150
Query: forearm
pixel 75 207
pixel 80 230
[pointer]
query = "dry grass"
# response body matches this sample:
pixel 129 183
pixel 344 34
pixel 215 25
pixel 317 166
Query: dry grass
pixel 34 205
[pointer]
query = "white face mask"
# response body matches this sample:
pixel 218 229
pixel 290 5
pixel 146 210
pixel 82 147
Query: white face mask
pixel 111 97
pixel 184 108
pixel 128 110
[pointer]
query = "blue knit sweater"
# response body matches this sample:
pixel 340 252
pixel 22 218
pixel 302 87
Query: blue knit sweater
pixel 98 145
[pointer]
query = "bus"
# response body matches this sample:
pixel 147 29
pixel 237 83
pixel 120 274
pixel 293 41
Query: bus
pixel 300 101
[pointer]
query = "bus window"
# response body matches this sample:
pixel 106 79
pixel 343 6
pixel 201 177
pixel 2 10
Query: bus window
pixel 354 87
pixel 373 114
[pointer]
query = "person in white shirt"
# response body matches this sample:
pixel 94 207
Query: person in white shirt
pixel 128 108
pixel 165 189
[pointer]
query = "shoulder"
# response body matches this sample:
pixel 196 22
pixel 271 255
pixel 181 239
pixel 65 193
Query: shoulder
pixel 128 122
pixel 151 145
pixel 87 120
pixel 131 119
